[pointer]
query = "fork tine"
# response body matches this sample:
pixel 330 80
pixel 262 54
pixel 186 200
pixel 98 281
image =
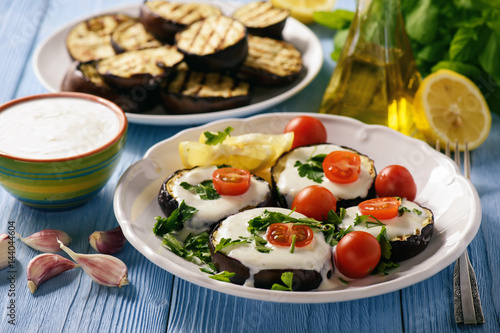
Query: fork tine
pixel 457 155
pixel 466 161
pixel 447 149
pixel 438 148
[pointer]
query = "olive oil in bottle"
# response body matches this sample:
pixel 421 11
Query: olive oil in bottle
pixel 376 76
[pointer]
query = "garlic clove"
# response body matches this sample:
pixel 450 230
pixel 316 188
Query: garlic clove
pixel 46 240
pixel 44 267
pixel 4 250
pixel 109 241
pixel 104 269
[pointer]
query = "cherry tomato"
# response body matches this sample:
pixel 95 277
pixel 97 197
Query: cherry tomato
pixel 380 208
pixel 357 254
pixel 281 234
pixel 307 131
pixel 231 181
pixel 314 201
pixel 342 166
pixel 395 181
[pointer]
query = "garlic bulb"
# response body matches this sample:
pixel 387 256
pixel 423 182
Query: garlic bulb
pixel 46 240
pixel 102 268
pixel 44 267
pixel 109 241
pixel 4 250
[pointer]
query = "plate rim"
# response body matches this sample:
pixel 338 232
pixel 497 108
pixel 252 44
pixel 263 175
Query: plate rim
pixel 323 296
pixel 313 69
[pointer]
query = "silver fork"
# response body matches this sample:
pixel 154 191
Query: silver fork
pixel 466 301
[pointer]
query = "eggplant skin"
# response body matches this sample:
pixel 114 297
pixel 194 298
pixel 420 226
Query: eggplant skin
pixel 263 19
pixel 303 280
pixel 409 247
pixel 83 77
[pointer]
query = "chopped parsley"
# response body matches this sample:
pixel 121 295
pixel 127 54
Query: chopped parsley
pixel 287 279
pixel 385 264
pixel 312 169
pixel 194 248
pixel 223 276
pixel 214 139
pixel 175 221
pixel 225 242
pixel 205 189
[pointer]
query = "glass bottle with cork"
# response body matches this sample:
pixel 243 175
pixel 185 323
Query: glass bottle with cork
pixel 376 76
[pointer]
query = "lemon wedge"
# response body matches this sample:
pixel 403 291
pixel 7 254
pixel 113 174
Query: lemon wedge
pixel 303 10
pixel 253 152
pixel 450 107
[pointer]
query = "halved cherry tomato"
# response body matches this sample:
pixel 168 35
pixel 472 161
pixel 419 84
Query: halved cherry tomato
pixel 307 131
pixel 357 254
pixel 281 234
pixel 380 208
pixel 342 166
pixel 395 181
pixel 314 201
pixel 231 181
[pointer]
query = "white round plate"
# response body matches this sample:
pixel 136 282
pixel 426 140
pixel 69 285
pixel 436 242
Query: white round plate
pixel 51 60
pixel 450 196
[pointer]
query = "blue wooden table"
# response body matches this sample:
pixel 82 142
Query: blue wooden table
pixel 157 301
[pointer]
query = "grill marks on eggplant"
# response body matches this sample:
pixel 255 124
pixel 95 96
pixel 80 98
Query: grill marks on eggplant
pixel 262 19
pixel 132 35
pixel 182 13
pixel 271 62
pixel 91 39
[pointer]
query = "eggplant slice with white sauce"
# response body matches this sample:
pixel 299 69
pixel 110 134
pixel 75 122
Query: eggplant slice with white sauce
pixel 91 39
pixel 131 35
pixel 262 19
pixel 271 62
pixel 146 68
pixel 288 181
pixel 216 43
pixel 252 265
pixel 165 18
pixel 187 92
pixel 211 208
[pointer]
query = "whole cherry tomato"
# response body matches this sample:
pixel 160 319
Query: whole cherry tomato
pixel 314 201
pixel 357 254
pixel 396 181
pixel 342 166
pixel 231 181
pixel 307 131
pixel 380 208
pixel 281 234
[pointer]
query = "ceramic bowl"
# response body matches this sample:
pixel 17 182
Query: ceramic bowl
pixel 62 182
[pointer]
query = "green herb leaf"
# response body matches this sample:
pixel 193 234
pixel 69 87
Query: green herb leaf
pixel 175 221
pixel 214 139
pixel 416 211
pixel 287 279
pixel 205 189
pixel 333 218
pixel 402 210
pixel 209 269
pixel 344 281
pixel 195 248
pixel 384 264
pixel 225 242
pixel 292 247
pixel 223 276
pixel 312 169
pixel 338 19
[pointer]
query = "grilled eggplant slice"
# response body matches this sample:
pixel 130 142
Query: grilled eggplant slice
pixel 262 19
pixel 131 35
pixel 287 180
pixel 270 62
pixel 146 68
pixel 197 92
pixel 216 207
pixel 91 39
pixel 216 43
pixel 309 264
pixel 164 19
pixel 408 233
pixel 83 77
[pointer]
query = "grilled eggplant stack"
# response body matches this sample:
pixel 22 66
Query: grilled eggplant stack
pixel 164 19
pixel 302 167
pixel 408 233
pixel 91 39
pixel 260 263
pixel 146 68
pixel 131 35
pixel 271 62
pixel 262 19
pixel 184 186
pixel 190 91
pixel 83 77
pixel 216 43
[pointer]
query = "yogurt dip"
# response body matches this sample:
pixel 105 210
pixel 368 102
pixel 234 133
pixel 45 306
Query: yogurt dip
pixel 56 128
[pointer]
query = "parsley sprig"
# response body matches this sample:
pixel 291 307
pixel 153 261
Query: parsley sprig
pixel 175 221
pixel 214 139
pixel 287 279
pixel 205 189
pixel 312 168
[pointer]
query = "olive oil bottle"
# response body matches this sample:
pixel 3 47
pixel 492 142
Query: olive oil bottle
pixel 376 76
